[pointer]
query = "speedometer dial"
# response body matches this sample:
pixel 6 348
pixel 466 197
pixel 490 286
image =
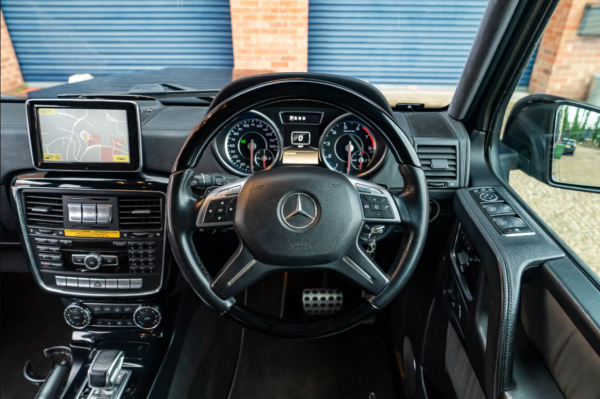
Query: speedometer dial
pixel 252 145
pixel 349 146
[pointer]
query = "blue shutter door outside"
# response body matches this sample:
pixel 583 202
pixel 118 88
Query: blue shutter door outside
pixel 56 39
pixel 404 42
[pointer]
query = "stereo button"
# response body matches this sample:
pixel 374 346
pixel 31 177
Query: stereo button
pixel 111 283
pixel 110 260
pixel 124 283
pixel 78 259
pixel 61 281
pixel 74 213
pixel 72 282
pixel 84 282
pixel 136 283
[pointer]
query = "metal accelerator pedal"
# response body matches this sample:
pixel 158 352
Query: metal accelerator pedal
pixel 321 301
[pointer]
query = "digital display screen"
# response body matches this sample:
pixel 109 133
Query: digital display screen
pixel 84 135
pixel 311 118
pixel 298 156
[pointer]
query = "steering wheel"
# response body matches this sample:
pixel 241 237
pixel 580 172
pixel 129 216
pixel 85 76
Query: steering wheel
pixel 297 218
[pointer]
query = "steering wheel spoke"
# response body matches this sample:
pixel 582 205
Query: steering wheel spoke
pixel 240 272
pixel 362 270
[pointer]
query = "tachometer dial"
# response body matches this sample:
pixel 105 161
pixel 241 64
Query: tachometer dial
pixel 252 145
pixel 348 146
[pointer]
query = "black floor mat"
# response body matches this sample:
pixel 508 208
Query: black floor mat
pixel 31 321
pixel 341 366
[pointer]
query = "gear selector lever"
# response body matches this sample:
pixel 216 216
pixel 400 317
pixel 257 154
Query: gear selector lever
pixel 105 368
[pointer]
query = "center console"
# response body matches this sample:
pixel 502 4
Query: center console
pixel 101 243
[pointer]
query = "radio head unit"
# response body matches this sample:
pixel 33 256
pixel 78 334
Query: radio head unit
pixel 84 135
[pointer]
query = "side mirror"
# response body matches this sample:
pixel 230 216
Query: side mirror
pixel 557 141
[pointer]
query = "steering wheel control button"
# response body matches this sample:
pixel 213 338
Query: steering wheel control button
pixel 363 189
pixel 218 210
pixel 231 209
pixel 375 207
pixel 74 213
pixel 299 211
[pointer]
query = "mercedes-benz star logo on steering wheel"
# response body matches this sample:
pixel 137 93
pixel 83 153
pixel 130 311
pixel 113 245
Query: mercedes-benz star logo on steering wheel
pixel 299 211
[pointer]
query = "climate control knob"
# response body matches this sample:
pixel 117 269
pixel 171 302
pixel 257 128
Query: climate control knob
pixel 92 261
pixel 78 316
pixel 147 317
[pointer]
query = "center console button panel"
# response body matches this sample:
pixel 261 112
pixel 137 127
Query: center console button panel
pixel 507 221
pixel 83 314
pixel 95 242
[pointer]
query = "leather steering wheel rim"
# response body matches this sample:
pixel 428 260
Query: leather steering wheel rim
pixel 183 206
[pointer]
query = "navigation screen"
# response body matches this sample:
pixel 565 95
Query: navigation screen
pixel 84 135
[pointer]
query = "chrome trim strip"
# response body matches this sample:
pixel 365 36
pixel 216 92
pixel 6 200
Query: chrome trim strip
pixel 33 264
pixel 139 127
pixel 360 271
pixel 241 272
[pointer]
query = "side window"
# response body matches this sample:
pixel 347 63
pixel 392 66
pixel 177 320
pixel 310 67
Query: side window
pixel 550 151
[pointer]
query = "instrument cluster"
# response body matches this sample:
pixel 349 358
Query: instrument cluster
pixel 273 137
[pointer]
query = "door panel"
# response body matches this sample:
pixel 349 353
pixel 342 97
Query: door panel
pixel 560 312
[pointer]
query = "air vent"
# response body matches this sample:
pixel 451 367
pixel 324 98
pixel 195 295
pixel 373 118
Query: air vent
pixel 140 213
pixel 438 161
pixel 44 210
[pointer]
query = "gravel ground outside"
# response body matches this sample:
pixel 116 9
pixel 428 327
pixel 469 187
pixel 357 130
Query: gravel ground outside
pixel 573 215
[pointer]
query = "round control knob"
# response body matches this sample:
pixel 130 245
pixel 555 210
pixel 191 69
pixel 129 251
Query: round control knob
pixel 92 261
pixel 78 316
pixel 147 317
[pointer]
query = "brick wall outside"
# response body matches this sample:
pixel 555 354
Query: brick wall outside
pixel 10 72
pixel 270 34
pixel 566 62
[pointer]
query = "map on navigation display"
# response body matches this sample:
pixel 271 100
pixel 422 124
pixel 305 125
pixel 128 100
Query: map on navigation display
pixel 84 135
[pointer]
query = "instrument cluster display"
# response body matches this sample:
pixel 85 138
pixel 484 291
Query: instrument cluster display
pixel 340 142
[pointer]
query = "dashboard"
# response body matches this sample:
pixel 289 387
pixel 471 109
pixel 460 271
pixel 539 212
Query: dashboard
pixel 276 136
